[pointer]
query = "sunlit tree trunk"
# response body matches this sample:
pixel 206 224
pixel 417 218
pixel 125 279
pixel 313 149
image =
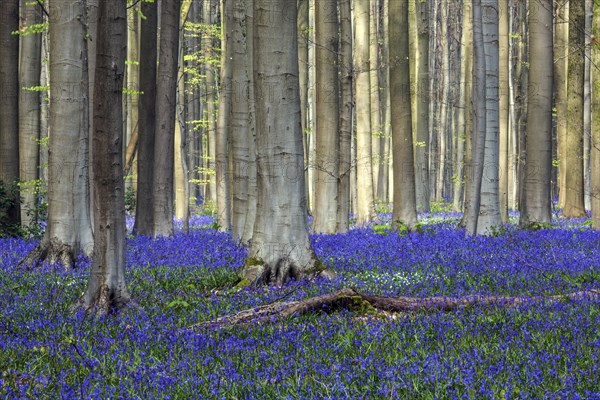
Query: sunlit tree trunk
pixel 106 288
pixel 574 206
pixel 280 247
pixel 224 118
pixel 9 102
pixel 442 117
pixel 69 229
pixel 346 112
pixel 210 112
pixel 147 119
pixel 166 90
pixel 29 111
pixel 304 32
pixel 364 169
pixel 374 92
pixel 595 147
pixel 503 77
pixel 536 186
pixel 561 62
pixel 132 92
pixel 327 117
pixel 405 208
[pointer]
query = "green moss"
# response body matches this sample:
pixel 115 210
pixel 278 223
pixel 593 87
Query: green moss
pixel 244 282
pixel 254 261
pixel 359 305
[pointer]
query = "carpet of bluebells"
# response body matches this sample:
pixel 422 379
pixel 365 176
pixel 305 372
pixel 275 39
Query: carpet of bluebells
pixel 538 350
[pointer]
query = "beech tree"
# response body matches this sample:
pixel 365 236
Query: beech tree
pixel 280 247
pixel 106 288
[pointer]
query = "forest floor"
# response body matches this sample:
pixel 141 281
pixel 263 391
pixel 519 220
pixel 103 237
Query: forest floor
pixel 541 349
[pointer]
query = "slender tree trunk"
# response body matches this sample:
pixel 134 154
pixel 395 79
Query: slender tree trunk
pixel 595 147
pixel 489 211
pixel 503 77
pixel 210 114
pixel 561 63
pixel 405 207
pixel 106 287
pixel 346 112
pixel 29 112
pixel 574 206
pixel 327 117
pixel 9 103
pixel 364 171
pixel 442 118
pixel 147 119
pixel 280 247
pixel 423 100
pixel 132 89
pixel 166 90
pixel 374 92
pixel 537 207
pixel 224 118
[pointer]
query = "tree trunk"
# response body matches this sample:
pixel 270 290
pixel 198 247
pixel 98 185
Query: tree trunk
pixel 132 94
pixel 561 63
pixel 210 196
pixel 280 247
pixel 9 103
pixel 29 112
pixel 574 206
pixel 405 207
pixel 166 90
pixel 537 206
pixel 364 167
pixel 147 120
pixel 69 228
pixel 442 117
pixel 106 287
pixel 595 148
pixel 503 77
pixel 327 117
pixel 374 93
pixel 224 118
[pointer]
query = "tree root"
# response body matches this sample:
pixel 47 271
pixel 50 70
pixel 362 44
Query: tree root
pixel 351 300
pixel 51 250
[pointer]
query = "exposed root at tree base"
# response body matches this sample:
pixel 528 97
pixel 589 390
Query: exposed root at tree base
pixel 51 250
pixel 351 300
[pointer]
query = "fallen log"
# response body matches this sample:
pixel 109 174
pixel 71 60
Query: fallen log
pixel 350 299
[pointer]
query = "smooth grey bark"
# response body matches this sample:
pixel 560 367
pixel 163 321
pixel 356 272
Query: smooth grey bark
pixel 166 91
pixel 106 289
pixel 132 94
pixel 423 100
pixel 365 207
pixel 69 227
pixel 536 185
pixel 561 62
pixel 489 211
pixel 479 121
pixel 9 102
pixel 208 16
pixel 327 117
pixel 222 135
pixel 595 146
pixel 144 214
pixel 346 112
pixel 503 77
pixel 574 196
pixel 280 247
pixel 405 206
pixel 304 32
pixel 375 104
pixel 29 111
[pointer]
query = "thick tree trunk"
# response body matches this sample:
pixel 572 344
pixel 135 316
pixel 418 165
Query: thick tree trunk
pixel 405 207
pixel 327 118
pixel 147 119
pixel 280 247
pixel 537 207
pixel 561 63
pixel 166 90
pixel 574 199
pixel 374 93
pixel 106 289
pixel 69 227
pixel 9 103
pixel 346 112
pixel 364 168
pixel 503 77
pixel 29 112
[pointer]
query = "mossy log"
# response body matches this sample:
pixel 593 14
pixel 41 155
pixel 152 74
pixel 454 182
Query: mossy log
pixel 352 300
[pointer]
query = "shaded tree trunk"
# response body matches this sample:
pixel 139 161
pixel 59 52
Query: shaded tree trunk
pixel 405 207
pixel 595 146
pixel 166 90
pixel 144 214
pixel 29 111
pixel 9 103
pixel 106 288
pixel 536 186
